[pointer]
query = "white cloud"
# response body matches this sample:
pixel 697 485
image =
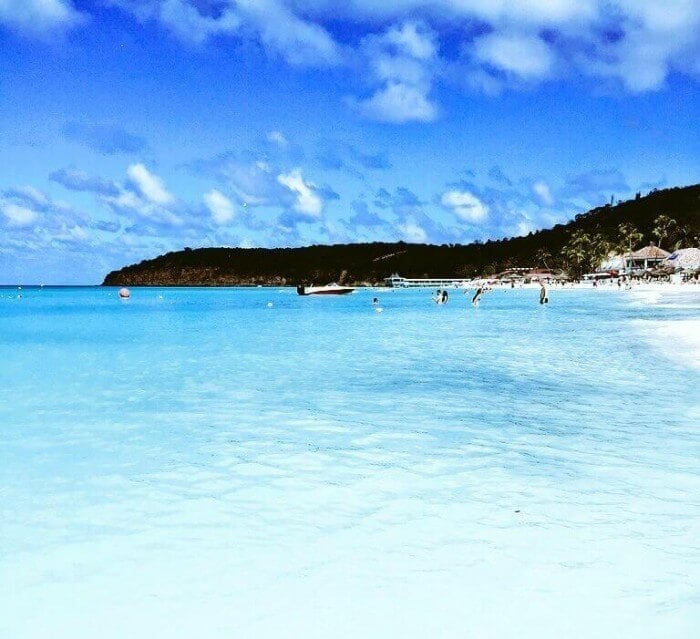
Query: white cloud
pixel 543 192
pixel 637 43
pixel 403 60
pixel 39 17
pixel 183 19
pixel 414 41
pixel 149 185
pixel 466 206
pixel 307 202
pixel 524 56
pixel 220 207
pixel 254 183
pixel 298 41
pixel 399 103
pixel 29 195
pixel 71 234
pixel 144 194
pixel 276 137
pixel 17 215
pixel 272 22
pixel 412 232
pixel 524 227
pixel 131 202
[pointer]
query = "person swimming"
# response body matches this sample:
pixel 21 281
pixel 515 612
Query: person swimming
pixel 477 295
pixel 445 297
pixel 375 301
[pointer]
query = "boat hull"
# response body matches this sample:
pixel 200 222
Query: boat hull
pixel 325 290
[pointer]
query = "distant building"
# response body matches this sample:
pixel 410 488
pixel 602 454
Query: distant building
pixel 645 259
pixel 396 281
pixel 687 259
pixel 527 275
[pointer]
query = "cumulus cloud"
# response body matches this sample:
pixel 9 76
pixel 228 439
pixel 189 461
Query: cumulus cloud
pixel 299 41
pixel 509 209
pixel 307 202
pixel 525 56
pixel 17 215
pixel 399 50
pixel 39 17
pixel 145 195
pixel 220 207
pixel 150 186
pixel 466 206
pixel 26 209
pixel 413 232
pixel 255 183
pixel 272 22
pixel 30 196
pixel 637 43
pixel 193 22
pixel 266 187
pixel 655 39
pixel 403 61
pixel 399 103
pixel 543 192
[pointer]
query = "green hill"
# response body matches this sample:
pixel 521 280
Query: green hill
pixel 669 217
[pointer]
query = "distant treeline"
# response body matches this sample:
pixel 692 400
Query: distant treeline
pixel 669 217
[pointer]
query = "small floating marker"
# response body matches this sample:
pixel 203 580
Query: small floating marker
pixel 269 305
pixel 124 293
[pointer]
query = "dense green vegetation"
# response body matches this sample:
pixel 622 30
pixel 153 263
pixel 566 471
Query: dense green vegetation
pixel 670 218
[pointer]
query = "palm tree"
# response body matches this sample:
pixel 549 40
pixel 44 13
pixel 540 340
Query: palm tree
pixel 628 237
pixel 541 257
pixel 577 250
pixel 600 248
pixel 585 252
pixel 663 227
pixel 686 236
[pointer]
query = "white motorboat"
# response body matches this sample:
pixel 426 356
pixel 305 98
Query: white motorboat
pixel 329 289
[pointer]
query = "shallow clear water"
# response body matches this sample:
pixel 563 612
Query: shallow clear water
pixel 192 463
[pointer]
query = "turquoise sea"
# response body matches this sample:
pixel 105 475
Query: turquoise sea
pixel 197 463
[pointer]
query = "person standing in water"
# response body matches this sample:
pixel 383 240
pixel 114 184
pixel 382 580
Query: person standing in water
pixel 477 295
pixel 543 294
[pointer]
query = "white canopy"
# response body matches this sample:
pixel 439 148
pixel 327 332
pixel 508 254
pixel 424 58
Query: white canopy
pixel 687 259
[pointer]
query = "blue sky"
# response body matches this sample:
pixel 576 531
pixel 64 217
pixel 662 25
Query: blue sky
pixel 129 128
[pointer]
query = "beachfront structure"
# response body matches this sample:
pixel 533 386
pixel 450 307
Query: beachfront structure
pixel 613 262
pixel 527 275
pixel 396 281
pixel 687 259
pixel 645 259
